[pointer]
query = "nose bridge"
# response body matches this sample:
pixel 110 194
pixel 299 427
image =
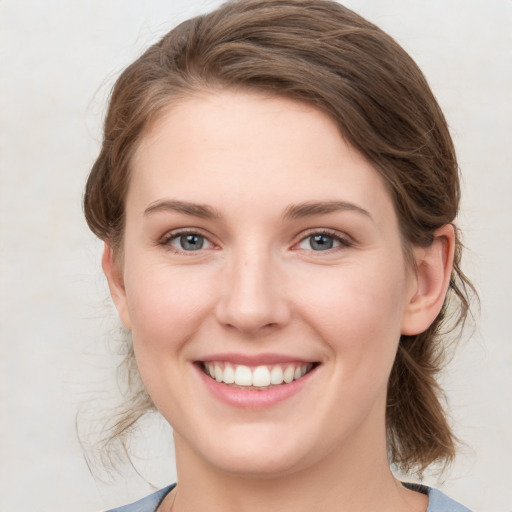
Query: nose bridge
pixel 253 295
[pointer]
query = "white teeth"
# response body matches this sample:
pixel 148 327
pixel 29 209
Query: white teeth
pixel 276 375
pixel 243 376
pixel 261 376
pixel 229 374
pixel 289 374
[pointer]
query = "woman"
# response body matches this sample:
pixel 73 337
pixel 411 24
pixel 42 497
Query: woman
pixel 276 191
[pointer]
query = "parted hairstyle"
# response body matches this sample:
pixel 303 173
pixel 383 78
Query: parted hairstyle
pixel 323 54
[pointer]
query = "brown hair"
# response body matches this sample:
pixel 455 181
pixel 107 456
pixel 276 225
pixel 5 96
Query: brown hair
pixel 319 52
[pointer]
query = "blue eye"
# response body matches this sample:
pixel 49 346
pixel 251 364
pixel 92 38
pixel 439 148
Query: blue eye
pixel 321 242
pixel 188 242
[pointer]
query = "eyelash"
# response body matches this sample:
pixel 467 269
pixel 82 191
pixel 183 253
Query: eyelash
pixel 167 240
pixel 343 241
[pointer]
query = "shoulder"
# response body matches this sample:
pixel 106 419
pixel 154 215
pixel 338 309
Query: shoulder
pixel 437 501
pixel 148 504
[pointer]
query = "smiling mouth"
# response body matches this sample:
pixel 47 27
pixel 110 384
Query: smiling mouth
pixel 256 378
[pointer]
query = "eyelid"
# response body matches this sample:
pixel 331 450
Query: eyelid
pixel 165 240
pixel 343 238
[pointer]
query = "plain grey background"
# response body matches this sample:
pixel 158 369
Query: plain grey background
pixel 58 60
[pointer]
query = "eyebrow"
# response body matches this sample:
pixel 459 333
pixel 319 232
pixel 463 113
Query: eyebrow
pixel 311 208
pixel 293 211
pixel 196 210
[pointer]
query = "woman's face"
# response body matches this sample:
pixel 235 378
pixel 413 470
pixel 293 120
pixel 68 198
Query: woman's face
pixel 259 245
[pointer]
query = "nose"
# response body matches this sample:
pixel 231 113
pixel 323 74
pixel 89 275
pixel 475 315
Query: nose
pixel 253 299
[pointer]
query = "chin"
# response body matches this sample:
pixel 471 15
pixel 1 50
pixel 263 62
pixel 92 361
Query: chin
pixel 254 464
pixel 254 452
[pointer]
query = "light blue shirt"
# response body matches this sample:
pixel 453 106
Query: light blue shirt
pixel 437 501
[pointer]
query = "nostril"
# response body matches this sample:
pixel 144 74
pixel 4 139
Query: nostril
pixel 255 317
pixel 251 298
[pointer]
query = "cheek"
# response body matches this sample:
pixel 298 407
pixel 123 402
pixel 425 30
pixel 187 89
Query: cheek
pixel 358 314
pixel 166 305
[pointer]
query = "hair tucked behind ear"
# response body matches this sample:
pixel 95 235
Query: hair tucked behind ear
pixel 419 433
pixel 319 52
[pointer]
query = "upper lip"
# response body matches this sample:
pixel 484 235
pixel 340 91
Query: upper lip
pixel 255 359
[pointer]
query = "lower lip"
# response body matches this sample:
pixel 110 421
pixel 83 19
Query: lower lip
pixel 253 398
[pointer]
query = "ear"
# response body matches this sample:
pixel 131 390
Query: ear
pixel 432 278
pixel 114 272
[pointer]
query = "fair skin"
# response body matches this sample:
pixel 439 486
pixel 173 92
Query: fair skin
pixel 256 237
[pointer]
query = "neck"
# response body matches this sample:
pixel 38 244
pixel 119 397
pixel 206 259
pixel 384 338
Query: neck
pixel 350 479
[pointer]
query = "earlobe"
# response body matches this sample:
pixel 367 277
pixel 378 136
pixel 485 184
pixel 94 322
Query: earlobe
pixel 433 271
pixel 114 273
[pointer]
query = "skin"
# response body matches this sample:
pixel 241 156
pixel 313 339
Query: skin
pixel 259 286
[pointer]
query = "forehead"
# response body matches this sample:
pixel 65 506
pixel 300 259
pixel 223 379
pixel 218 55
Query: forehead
pixel 235 148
